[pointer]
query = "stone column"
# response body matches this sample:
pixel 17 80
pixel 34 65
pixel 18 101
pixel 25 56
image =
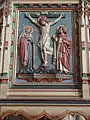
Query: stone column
pixel 85 52
pixel 2 47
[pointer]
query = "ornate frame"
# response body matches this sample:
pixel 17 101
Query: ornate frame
pixel 75 19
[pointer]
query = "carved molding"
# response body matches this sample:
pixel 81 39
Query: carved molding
pixel 88 11
pixel 43 114
pixel 2 2
pixel 5 44
pixel 79 9
pixel 87 45
pixel 44 77
pixel 87 8
pixel 7 8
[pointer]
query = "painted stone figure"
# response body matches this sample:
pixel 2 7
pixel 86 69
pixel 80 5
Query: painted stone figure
pixel 24 41
pixel 44 26
pixel 63 46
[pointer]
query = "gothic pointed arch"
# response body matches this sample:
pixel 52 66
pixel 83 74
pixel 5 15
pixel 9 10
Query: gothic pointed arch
pixel 44 115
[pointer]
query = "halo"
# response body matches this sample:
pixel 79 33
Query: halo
pixel 28 27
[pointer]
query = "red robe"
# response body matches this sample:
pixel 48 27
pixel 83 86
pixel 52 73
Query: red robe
pixel 23 51
pixel 64 48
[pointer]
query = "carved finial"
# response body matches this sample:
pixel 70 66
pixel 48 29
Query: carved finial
pixel 7 8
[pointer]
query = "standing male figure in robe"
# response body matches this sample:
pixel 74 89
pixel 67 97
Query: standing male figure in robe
pixel 63 44
pixel 44 41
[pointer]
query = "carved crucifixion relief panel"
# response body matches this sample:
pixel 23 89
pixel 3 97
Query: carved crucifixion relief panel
pixel 44 42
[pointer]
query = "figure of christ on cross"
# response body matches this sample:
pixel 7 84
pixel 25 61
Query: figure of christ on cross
pixel 44 26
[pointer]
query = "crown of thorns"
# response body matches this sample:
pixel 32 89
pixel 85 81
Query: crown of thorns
pixel 42 18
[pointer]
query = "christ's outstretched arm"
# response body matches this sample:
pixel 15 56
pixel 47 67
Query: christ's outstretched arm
pixel 30 18
pixel 55 21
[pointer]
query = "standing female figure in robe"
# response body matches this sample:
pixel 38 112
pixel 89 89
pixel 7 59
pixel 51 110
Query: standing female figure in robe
pixel 24 41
